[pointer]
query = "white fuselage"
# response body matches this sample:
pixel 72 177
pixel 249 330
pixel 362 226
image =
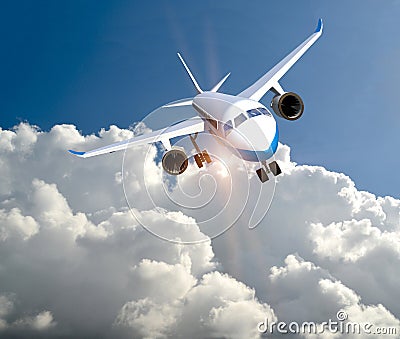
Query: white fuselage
pixel 246 126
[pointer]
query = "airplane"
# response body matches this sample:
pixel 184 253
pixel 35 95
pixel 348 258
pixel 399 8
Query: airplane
pixel 244 125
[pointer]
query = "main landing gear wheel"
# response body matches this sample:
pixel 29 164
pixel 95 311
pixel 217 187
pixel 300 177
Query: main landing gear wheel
pixel 200 157
pixel 206 157
pixel 273 168
pixel 262 174
pixel 199 161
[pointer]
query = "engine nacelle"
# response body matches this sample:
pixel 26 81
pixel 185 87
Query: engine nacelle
pixel 175 161
pixel 288 106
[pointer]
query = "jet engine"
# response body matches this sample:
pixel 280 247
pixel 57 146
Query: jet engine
pixel 288 106
pixel 175 161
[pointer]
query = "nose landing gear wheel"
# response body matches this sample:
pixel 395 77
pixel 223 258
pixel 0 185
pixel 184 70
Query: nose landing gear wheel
pixel 275 169
pixel 262 175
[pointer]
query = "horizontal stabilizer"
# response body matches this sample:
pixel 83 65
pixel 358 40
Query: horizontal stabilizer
pixel 181 103
pixel 217 86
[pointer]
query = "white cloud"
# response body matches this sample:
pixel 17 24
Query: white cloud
pixel 222 306
pixel 40 322
pixel 306 293
pixel 147 319
pixel 351 240
pixel 74 260
pixel 217 306
pixel 13 223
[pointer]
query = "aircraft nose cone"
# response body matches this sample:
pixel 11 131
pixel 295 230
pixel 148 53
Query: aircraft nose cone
pixel 256 140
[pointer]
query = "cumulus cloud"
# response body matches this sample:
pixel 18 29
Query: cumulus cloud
pixel 342 233
pixel 218 306
pixel 41 322
pixel 304 292
pixel 9 324
pixel 351 240
pixel 13 223
pixel 75 262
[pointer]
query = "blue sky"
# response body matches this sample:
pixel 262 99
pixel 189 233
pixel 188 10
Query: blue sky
pixel 96 63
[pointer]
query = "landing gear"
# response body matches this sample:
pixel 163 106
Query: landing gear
pixel 198 160
pixel 273 168
pixel 206 156
pixel 201 156
pixel 262 175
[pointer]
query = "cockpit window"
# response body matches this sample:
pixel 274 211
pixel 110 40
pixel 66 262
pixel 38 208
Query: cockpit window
pixel 228 127
pixel 264 111
pixel 240 119
pixel 253 112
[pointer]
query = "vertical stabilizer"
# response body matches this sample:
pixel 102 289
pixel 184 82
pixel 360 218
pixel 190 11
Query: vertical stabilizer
pixel 196 85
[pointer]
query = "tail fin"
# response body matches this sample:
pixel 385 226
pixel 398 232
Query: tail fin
pixel 196 85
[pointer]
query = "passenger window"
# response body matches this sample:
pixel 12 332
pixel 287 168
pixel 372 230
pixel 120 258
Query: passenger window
pixel 264 111
pixel 240 119
pixel 253 113
pixel 228 127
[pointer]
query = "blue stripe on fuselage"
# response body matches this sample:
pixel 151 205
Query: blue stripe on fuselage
pixel 256 156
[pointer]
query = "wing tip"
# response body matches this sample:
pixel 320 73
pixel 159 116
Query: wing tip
pixel 320 26
pixel 77 153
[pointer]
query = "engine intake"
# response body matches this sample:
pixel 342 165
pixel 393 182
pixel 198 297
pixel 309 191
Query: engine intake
pixel 288 106
pixel 175 161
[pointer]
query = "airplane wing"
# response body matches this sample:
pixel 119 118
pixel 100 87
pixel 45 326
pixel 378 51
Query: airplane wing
pixel 189 126
pixel 270 80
